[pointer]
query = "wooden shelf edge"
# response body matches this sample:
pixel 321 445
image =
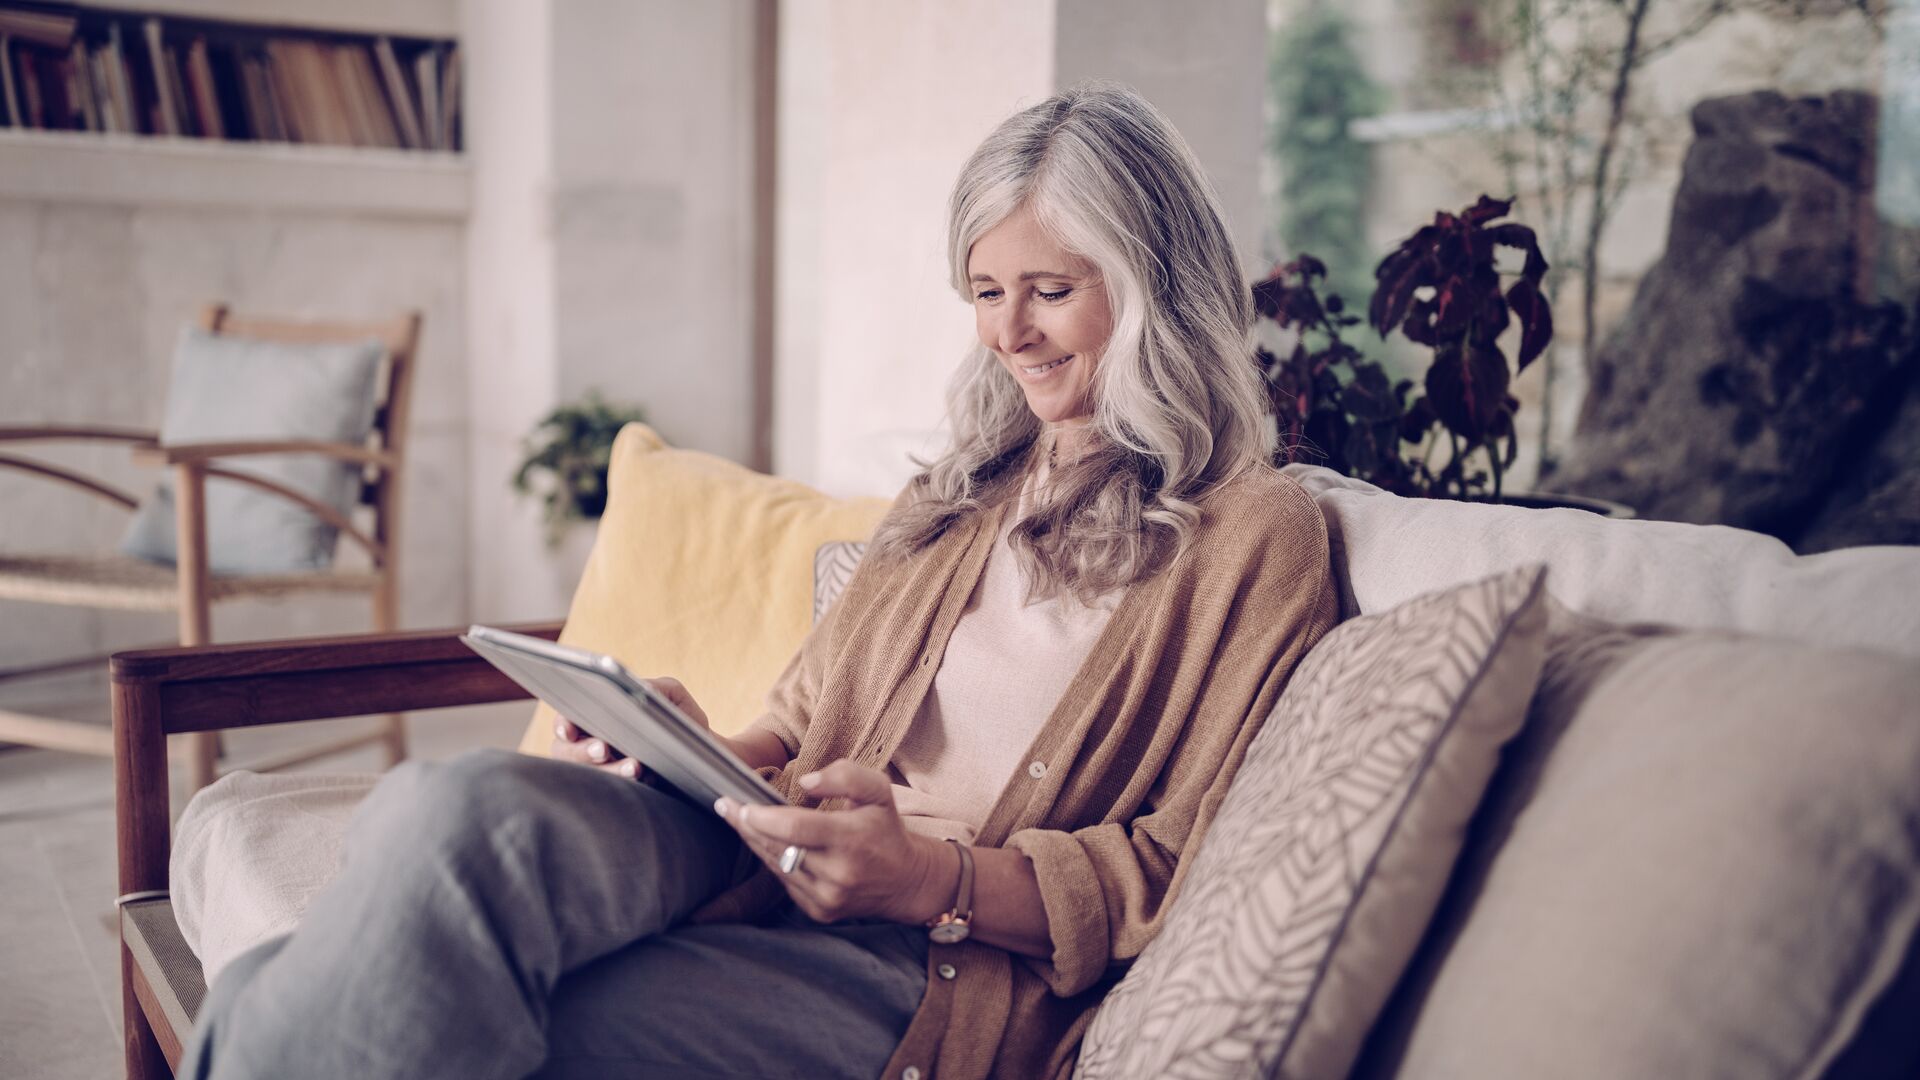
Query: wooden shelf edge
pixel 148 170
pixel 411 18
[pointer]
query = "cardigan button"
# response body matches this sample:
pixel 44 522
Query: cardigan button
pixel 947 971
pixel 910 1073
pixel 1037 770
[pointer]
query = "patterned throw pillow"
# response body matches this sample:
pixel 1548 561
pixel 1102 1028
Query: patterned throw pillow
pixel 1330 852
pixel 833 565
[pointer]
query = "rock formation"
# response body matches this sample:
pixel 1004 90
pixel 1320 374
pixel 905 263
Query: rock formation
pixel 1758 380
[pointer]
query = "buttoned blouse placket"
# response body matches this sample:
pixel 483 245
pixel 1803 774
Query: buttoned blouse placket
pixel 878 744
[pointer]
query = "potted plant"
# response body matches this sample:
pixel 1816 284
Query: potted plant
pixel 1453 436
pixel 566 459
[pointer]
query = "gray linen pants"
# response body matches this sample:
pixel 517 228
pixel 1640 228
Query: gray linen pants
pixel 505 916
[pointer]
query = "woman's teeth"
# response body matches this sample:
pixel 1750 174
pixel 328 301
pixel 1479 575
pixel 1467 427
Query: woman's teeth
pixel 1046 367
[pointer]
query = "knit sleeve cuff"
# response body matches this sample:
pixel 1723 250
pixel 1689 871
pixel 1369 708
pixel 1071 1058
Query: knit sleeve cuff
pixel 1076 908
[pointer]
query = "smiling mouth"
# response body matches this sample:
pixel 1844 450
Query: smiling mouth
pixel 1042 369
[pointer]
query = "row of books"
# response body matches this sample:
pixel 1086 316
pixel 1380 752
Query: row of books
pixel 86 71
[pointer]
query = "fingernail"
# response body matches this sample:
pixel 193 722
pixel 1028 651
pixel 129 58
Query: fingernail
pixel 597 750
pixel 559 729
pixel 723 806
pixel 629 768
pixel 812 779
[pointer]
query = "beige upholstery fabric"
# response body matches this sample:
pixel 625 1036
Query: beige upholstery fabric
pixel 1333 845
pixel 1702 860
pixel 250 852
pixel 1387 549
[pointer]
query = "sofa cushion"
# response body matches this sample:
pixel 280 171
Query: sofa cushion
pixel 702 569
pixel 249 853
pixel 1701 859
pixel 1315 881
pixel 1707 577
pixel 230 389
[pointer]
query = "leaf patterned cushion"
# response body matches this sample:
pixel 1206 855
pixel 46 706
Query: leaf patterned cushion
pixel 833 565
pixel 1330 852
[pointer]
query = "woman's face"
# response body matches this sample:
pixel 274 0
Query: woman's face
pixel 1043 312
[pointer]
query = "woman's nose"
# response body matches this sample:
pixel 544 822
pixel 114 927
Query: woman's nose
pixel 1016 330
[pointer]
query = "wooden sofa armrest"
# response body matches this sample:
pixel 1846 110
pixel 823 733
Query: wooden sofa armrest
pixel 211 687
pixel 158 692
pixel 161 692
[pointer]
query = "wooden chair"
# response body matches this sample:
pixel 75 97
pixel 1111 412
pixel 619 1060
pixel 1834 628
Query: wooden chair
pixel 164 692
pixel 126 583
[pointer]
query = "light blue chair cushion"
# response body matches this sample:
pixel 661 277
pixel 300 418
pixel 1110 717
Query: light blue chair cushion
pixel 227 389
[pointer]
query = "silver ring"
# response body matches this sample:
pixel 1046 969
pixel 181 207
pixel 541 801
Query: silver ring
pixel 791 858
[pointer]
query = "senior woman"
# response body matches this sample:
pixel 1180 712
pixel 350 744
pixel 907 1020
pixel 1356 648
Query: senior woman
pixel 998 745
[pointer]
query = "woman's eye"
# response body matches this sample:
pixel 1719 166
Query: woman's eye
pixel 1061 295
pixel 987 294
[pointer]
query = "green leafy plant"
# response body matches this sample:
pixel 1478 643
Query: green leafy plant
pixel 566 459
pixel 1319 87
pixel 1441 288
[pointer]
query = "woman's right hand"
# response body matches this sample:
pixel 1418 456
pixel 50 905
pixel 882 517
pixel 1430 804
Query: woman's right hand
pixel 573 743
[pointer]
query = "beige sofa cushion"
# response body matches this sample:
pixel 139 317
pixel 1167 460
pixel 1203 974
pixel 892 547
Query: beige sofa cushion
pixel 1387 549
pixel 1315 881
pixel 1702 859
pixel 249 853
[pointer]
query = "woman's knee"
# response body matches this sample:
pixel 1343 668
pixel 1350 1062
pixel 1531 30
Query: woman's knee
pixel 463 799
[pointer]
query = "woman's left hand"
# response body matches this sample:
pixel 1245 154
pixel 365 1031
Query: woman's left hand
pixel 860 859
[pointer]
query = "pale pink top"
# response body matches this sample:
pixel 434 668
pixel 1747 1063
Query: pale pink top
pixel 1005 668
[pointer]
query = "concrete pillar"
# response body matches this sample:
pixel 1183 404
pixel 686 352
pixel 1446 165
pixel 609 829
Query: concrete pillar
pixel 1204 65
pixel 610 246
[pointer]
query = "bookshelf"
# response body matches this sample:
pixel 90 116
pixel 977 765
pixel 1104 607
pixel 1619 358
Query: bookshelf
pixel 181 70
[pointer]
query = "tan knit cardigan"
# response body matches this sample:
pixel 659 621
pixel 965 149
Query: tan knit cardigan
pixel 1127 771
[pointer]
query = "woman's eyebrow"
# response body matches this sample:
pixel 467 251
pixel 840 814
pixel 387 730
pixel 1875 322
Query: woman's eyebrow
pixel 1028 276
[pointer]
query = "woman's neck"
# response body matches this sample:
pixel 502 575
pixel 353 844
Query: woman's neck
pixel 1060 443
pixel 1066 439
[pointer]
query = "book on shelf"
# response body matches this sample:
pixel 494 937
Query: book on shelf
pixel 38 25
pixel 163 78
pixel 399 94
pixel 79 68
pixel 206 102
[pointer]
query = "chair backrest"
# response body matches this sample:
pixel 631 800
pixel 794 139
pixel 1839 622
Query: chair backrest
pixel 380 488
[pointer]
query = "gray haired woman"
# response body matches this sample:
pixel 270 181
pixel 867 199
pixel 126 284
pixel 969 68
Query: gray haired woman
pixel 998 746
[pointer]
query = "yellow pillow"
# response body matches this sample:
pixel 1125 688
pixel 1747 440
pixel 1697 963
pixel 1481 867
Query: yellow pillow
pixel 702 570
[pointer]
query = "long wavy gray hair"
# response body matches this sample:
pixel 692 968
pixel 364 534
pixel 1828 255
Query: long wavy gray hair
pixel 1177 401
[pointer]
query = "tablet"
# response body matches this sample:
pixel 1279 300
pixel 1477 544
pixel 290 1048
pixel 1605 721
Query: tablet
pixel 598 694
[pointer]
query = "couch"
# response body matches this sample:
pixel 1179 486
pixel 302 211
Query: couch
pixel 1667 823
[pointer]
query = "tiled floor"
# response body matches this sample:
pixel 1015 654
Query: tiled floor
pixel 59 960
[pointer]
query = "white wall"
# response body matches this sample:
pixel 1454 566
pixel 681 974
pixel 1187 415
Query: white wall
pixel 612 246
pixel 880 105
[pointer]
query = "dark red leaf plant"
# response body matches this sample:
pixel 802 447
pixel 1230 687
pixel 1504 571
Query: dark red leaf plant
pixel 1334 407
pixel 1442 289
